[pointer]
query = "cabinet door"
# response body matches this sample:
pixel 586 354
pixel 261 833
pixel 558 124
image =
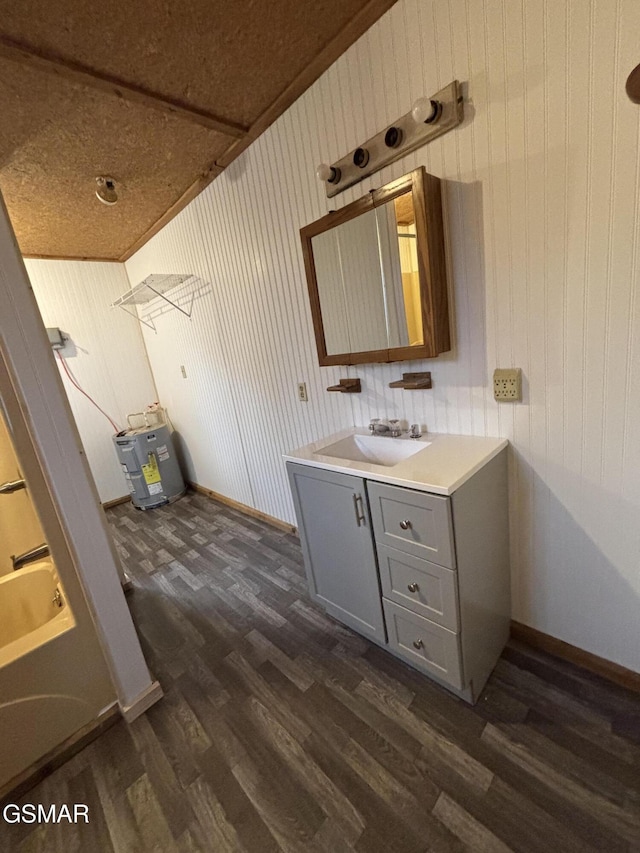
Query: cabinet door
pixel 339 556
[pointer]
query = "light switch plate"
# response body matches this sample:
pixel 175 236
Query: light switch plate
pixel 507 384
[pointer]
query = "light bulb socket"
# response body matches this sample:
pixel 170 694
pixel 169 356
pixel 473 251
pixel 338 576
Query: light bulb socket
pixel 328 174
pixel 437 112
pixel 360 157
pixel 393 137
pixel 426 111
pixel 106 192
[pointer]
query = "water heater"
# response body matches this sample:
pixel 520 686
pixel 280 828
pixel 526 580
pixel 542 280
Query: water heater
pixel 150 467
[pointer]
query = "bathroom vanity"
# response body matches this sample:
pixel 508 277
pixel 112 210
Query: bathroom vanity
pixel 406 541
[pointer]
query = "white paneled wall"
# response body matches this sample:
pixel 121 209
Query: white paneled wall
pixel 106 355
pixel 541 194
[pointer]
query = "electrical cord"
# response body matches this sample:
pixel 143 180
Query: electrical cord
pixel 63 362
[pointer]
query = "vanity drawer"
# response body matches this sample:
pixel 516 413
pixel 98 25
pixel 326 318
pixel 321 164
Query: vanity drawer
pixel 426 588
pixel 424 644
pixel 414 522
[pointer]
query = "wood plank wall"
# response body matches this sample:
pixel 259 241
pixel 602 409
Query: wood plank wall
pixel 106 355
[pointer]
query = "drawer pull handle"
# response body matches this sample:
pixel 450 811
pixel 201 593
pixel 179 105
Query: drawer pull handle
pixel 413 587
pixel 359 508
pixel 406 524
pixel 418 644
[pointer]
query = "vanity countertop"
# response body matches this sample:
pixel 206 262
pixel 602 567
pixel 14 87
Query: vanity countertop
pixel 446 462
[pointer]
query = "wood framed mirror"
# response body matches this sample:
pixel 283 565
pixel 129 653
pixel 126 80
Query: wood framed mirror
pixel 377 278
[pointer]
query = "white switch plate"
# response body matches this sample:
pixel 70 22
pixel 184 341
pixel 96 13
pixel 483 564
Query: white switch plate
pixel 302 392
pixel 183 371
pixel 507 384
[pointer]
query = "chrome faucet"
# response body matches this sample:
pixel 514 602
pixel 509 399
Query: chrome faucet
pixel 392 429
pixel 377 428
pixel 12 486
pixel 20 560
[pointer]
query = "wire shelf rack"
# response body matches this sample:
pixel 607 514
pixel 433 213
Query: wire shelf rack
pixel 153 286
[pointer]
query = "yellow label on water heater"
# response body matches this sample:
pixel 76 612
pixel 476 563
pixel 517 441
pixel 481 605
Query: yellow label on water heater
pixel 151 472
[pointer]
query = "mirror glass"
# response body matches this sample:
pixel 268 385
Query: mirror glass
pixel 368 280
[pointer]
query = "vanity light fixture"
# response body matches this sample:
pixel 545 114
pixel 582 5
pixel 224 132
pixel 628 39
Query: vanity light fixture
pixel 428 118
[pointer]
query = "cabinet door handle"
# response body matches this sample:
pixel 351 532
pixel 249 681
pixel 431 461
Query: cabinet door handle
pixel 418 644
pixel 413 587
pixel 406 524
pixel 359 508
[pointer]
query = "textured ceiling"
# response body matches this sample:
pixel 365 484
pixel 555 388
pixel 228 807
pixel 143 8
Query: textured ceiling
pixel 160 96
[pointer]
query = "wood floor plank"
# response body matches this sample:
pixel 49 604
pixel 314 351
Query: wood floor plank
pixel 182 737
pixel 263 774
pixel 219 831
pixel 257 686
pixel 612 817
pixel 594 689
pixel 239 810
pixel 288 827
pixel 95 833
pixel 121 823
pixel 527 827
pixel 432 741
pixel 384 830
pixel 388 742
pixel 330 799
pixel 295 673
pixel 470 831
pixel 159 773
pixel 150 817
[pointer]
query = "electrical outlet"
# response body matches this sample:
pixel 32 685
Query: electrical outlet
pixel 183 371
pixel 302 392
pixel 507 384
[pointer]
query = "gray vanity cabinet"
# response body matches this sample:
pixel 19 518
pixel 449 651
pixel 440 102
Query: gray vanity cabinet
pixel 425 575
pixel 335 531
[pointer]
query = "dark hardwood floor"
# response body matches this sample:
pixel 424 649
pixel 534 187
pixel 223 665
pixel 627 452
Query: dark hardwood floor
pixel 282 730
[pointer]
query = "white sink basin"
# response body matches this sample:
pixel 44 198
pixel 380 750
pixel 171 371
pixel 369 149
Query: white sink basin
pixel 374 449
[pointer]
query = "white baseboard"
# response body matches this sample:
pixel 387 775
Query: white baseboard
pixel 143 702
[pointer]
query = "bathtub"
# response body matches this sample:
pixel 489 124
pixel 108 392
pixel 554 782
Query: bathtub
pixel 30 614
pixel 53 681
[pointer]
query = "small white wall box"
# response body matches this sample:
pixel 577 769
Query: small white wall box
pixel 56 338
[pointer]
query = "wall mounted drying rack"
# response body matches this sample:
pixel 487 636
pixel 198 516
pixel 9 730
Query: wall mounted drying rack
pixel 153 286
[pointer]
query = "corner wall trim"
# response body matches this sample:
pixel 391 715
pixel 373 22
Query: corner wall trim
pixel 247 510
pixel 600 666
pixel 142 702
